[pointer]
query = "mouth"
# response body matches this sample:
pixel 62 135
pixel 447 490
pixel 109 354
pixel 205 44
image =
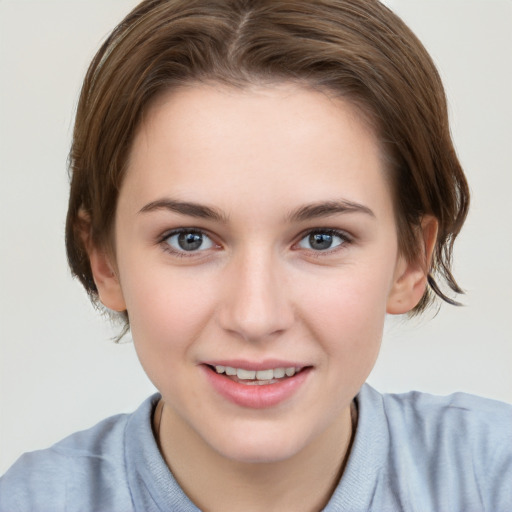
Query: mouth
pixel 256 386
pixel 256 377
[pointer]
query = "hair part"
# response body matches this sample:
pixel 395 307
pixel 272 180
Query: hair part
pixel 356 49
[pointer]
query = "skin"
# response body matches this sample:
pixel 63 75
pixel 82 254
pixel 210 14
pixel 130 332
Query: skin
pixel 258 289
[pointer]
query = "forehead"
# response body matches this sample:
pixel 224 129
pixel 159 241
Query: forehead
pixel 218 142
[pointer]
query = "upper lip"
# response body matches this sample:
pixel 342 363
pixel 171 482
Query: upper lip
pixel 266 364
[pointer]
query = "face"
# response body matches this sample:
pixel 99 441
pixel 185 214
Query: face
pixel 255 236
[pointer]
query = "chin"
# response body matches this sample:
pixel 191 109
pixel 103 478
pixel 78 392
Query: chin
pixel 263 447
pixel 256 454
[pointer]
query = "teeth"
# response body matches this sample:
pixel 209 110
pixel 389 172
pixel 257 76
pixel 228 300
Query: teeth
pixel 262 375
pixel 279 373
pixel 245 374
pixel 265 375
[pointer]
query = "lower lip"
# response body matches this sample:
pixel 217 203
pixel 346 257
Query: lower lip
pixel 255 396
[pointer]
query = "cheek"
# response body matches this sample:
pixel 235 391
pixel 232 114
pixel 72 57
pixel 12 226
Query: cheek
pixel 167 312
pixel 348 313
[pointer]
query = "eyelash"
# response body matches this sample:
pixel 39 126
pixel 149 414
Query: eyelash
pixel 345 238
pixel 183 253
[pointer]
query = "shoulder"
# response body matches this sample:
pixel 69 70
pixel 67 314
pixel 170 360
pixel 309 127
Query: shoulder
pixel 460 418
pixel 456 444
pixel 457 407
pixel 48 480
pixel 86 470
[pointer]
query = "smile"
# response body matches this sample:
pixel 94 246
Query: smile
pixel 262 387
pixel 257 377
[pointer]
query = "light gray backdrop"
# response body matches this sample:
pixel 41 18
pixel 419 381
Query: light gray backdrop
pixel 59 371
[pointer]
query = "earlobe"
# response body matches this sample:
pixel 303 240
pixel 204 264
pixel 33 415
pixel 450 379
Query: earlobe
pixel 103 271
pixel 410 279
pixel 106 280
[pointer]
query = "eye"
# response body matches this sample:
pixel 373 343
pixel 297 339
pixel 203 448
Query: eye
pixel 188 241
pixel 323 240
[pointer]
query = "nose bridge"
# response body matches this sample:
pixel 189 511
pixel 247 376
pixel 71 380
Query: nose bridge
pixel 256 304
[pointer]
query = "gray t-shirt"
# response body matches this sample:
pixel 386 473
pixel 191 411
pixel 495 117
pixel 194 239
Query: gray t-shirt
pixel 411 452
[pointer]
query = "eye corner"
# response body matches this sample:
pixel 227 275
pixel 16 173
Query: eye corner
pixel 323 240
pixel 187 242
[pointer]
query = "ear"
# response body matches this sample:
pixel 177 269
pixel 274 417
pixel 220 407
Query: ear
pixel 410 278
pixel 102 268
pixel 106 280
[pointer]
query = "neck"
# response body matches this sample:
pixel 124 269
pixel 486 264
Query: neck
pixel 304 482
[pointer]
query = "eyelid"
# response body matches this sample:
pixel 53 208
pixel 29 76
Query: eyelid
pixel 346 238
pixel 162 241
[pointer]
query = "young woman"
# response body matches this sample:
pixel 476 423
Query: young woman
pixel 255 185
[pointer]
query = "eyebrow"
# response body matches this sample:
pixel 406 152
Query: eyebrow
pixel 306 212
pixel 185 208
pixel 326 209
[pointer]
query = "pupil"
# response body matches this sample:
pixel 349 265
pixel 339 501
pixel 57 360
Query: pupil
pixel 190 241
pixel 320 241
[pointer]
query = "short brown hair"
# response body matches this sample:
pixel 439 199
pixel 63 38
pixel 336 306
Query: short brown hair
pixel 357 49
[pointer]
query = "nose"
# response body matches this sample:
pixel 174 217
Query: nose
pixel 256 303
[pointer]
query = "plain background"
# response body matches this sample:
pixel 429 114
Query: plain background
pixel 59 369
